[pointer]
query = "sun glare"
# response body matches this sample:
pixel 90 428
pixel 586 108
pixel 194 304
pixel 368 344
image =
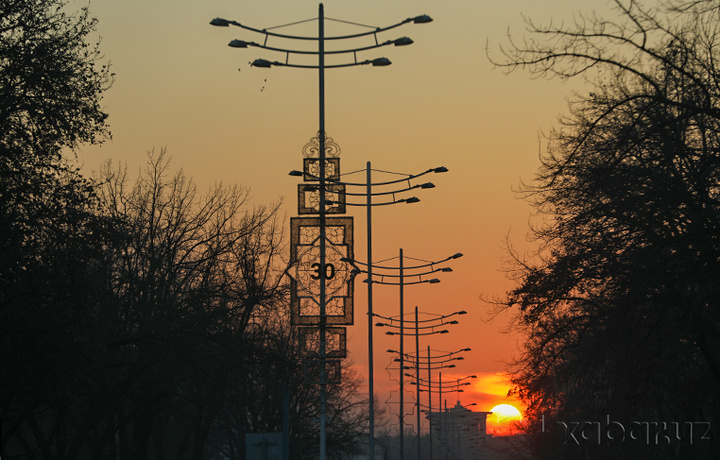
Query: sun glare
pixel 503 419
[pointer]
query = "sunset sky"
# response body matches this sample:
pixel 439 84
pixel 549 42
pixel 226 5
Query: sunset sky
pixel 178 85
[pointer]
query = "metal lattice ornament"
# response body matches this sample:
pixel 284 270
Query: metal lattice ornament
pixel 307 275
pixel 313 371
pixel 312 148
pixel 309 199
pixel 311 169
pixel 335 342
pixel 321 284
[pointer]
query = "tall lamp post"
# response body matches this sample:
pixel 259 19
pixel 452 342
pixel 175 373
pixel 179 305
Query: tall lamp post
pixel 322 275
pixel 422 328
pixel 339 196
pixel 443 386
pixel 397 275
pixel 434 362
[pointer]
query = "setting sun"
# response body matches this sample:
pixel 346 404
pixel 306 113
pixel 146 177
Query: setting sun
pixel 503 419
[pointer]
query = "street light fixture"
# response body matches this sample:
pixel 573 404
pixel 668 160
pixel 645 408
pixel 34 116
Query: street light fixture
pixel 343 189
pixel 402 41
pixel 439 362
pixel 418 272
pixel 429 327
pixel 443 386
pixel 321 137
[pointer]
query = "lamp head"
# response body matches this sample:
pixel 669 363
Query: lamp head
pixel 427 185
pixel 403 41
pixel 433 281
pixel 412 199
pixel 380 62
pixel 295 173
pixel 456 256
pixel 219 22
pixel 422 19
pixel 446 269
pixel 261 63
pixel 441 169
pixel 238 44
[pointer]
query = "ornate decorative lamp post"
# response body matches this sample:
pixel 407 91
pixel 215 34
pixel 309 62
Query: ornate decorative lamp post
pixel 321 287
pixel 338 196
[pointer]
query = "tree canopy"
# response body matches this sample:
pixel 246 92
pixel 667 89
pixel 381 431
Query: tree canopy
pixel 51 79
pixel 621 308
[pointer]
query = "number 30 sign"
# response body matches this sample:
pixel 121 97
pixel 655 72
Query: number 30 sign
pixel 309 273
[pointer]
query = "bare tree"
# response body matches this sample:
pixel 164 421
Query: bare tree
pixel 191 273
pixel 620 310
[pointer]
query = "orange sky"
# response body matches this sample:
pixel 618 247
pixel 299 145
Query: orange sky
pixel 441 103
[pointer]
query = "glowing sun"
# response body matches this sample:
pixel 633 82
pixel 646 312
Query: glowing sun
pixel 503 418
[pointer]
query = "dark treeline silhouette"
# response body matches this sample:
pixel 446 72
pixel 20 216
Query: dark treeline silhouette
pixel 138 320
pixel 620 308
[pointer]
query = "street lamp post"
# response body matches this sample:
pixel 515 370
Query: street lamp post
pixel 422 328
pixel 386 274
pixel 443 386
pixel 439 361
pixel 321 138
pixel 369 204
pixel 387 188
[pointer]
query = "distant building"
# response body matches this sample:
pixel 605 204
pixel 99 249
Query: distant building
pixel 459 432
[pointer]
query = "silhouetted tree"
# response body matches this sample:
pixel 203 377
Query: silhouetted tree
pixel 620 309
pixel 263 374
pixel 51 80
pixel 52 241
pixel 201 326
pixel 131 315
pixel 191 274
pixel 153 322
pixel 52 280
